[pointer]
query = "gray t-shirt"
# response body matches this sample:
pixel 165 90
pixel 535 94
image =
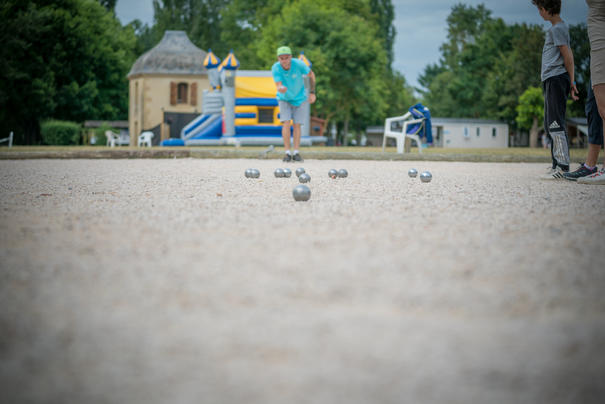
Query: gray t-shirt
pixel 552 59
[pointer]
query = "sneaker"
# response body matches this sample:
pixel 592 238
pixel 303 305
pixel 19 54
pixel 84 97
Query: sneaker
pixel 297 157
pixel 582 171
pixel 287 158
pixel 597 178
pixel 553 174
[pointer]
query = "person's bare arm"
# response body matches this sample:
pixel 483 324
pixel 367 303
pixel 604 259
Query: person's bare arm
pixel 569 66
pixel 312 96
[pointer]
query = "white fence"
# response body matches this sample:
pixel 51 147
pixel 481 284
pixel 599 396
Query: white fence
pixel 8 139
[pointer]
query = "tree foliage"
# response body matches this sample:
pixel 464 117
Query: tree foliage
pixel 531 106
pixel 530 111
pixel 66 60
pixel 384 14
pixel 109 5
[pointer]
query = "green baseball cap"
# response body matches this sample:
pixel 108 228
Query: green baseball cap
pixel 284 50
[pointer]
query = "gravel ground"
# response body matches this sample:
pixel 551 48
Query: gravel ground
pixel 181 281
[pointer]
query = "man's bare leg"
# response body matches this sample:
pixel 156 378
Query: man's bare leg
pixel 593 154
pixel 285 134
pixel 599 95
pixel 296 136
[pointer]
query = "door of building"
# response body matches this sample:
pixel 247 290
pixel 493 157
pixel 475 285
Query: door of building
pixel 177 122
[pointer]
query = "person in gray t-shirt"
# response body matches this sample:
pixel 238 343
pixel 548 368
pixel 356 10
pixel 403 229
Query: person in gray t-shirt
pixel 557 84
pixel 552 58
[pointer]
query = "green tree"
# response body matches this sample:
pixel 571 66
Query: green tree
pixel 109 5
pixel 431 71
pixel 145 37
pixel 400 96
pixel 241 28
pixel 66 60
pixel 530 111
pixel 440 97
pixel 242 22
pixel 200 19
pixel 513 72
pixel 465 23
pixel 474 40
pixel 384 14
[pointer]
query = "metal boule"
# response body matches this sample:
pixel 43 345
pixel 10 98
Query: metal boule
pixel 426 176
pixel 301 193
pixel 304 177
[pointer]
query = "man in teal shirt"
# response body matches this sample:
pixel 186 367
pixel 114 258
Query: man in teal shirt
pixel 288 75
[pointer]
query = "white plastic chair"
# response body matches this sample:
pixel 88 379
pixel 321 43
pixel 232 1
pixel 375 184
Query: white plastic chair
pixel 112 138
pixel 145 139
pixel 400 136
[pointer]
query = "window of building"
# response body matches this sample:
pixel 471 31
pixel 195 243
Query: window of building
pixel 478 131
pixel 181 94
pixel 265 115
pixel 494 132
pixel 465 131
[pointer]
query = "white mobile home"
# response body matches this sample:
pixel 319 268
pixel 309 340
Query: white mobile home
pixel 469 133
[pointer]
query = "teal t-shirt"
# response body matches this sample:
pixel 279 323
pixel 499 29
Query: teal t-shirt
pixel 293 80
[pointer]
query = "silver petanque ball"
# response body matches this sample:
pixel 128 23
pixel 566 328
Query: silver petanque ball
pixel 287 172
pixel 299 171
pixel 304 177
pixel 426 176
pixel 342 173
pixel 413 173
pixel 301 193
pixel 247 174
pixel 279 173
pixel 254 173
pixel 332 173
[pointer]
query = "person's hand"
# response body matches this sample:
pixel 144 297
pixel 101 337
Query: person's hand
pixel 312 98
pixel 574 92
pixel 282 89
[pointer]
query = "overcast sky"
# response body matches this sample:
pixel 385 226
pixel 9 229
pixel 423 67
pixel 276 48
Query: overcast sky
pixel 421 25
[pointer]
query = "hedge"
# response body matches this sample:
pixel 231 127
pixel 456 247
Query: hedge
pixel 60 132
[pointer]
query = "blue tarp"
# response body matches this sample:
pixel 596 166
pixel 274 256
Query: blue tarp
pixel 420 111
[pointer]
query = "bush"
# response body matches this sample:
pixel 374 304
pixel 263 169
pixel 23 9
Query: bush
pixel 60 133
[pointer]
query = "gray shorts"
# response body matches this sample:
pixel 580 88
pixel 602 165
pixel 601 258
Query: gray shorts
pixel 288 112
pixel 596 35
